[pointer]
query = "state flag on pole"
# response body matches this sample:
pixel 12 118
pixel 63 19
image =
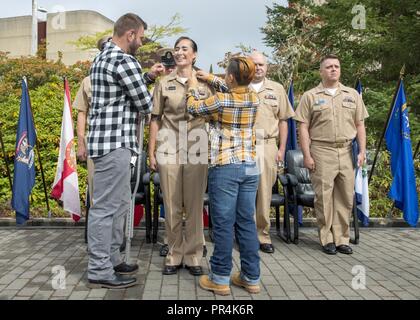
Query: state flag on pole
pixel 397 135
pixel 361 187
pixel 24 173
pixel 66 185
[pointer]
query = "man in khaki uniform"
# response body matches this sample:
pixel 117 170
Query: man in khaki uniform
pixel 271 126
pixel 182 166
pixel 330 116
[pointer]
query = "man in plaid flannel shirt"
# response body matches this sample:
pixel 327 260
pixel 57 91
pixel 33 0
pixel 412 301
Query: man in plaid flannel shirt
pixel 119 94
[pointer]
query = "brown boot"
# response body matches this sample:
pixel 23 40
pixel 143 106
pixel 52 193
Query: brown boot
pixel 220 289
pixel 237 281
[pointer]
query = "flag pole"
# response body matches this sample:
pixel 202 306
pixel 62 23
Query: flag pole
pixel 389 215
pixel 416 152
pixel 386 124
pixel 5 157
pixel 38 152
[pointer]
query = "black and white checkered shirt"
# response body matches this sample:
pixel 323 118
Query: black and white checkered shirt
pixel 119 93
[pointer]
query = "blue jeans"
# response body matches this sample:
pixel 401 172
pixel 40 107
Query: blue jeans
pixel 232 192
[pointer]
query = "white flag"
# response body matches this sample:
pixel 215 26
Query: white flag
pixel 362 195
pixel 66 184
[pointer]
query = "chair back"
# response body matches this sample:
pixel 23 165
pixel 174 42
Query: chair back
pixel 143 168
pixel 295 167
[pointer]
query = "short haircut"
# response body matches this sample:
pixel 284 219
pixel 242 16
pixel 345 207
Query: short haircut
pixel 328 56
pixel 193 43
pixel 102 42
pixel 256 53
pixel 243 69
pixel 127 22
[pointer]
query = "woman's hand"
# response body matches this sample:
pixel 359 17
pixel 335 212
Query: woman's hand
pixel 202 75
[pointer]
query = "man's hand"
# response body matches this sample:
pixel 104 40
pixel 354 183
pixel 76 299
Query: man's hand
pixel 280 156
pixel 309 163
pixel 202 75
pixel 156 70
pixel 81 151
pixel 153 163
pixel 361 159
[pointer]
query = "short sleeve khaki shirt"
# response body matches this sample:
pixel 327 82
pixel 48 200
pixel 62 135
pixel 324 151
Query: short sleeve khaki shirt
pixel 274 106
pixel 83 96
pixel 330 118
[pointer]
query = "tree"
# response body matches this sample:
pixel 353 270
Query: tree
pixel 374 39
pixel 45 81
pixel 304 31
pixel 244 50
pixel 290 31
pixel 155 36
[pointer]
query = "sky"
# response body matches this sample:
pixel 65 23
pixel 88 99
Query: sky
pixel 218 26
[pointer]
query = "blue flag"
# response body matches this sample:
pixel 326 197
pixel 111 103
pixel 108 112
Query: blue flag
pixel 292 139
pixel 162 211
pixel 359 87
pixel 361 187
pixel 24 173
pixel 397 136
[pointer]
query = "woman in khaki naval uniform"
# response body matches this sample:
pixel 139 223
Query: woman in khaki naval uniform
pixel 181 161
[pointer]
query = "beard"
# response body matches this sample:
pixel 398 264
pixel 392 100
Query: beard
pixel 132 48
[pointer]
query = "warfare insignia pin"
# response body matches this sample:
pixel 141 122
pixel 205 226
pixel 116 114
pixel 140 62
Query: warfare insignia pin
pixel 270 96
pixel 201 91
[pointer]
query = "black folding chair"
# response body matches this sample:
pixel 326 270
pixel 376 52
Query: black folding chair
pixel 301 193
pixel 279 199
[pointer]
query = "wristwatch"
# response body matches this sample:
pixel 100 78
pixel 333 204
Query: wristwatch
pixel 147 78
